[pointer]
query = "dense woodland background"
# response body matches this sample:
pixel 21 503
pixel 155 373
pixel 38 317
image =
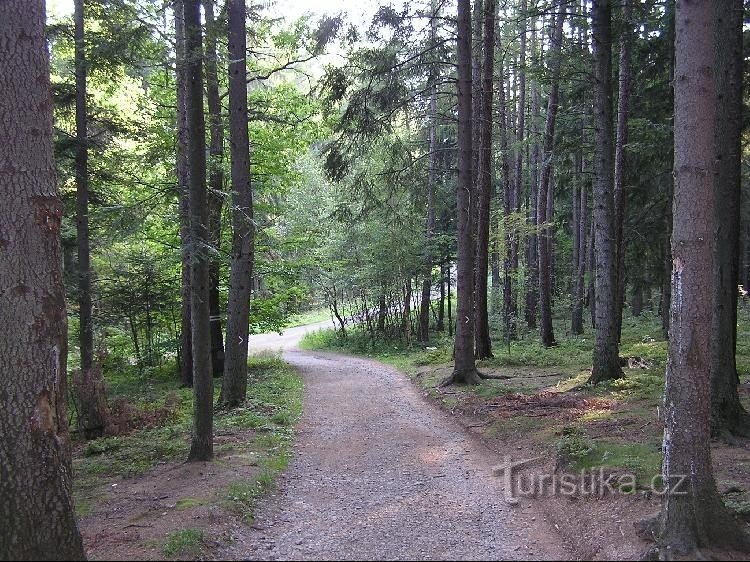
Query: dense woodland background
pixel 500 173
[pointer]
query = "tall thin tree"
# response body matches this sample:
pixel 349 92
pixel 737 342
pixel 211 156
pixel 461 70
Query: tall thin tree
pixel 186 337
pixel 465 370
pixel 86 328
pixel 727 413
pixel 215 185
pixel 620 195
pixel 606 348
pixel 36 503
pixel 201 448
pixel 234 385
pixel 545 184
pixel 423 334
pixel 483 346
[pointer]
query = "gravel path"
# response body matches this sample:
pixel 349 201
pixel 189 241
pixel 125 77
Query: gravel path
pixel 380 473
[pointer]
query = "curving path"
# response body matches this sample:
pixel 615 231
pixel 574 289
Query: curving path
pixel 380 473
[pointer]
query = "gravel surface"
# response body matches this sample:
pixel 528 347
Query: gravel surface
pixel 380 473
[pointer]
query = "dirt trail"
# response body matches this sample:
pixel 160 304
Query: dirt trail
pixel 379 473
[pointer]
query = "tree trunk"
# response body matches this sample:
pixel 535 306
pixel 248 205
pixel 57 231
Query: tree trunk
pixel 86 329
pixel 620 196
pixel 518 175
pixel 591 266
pixel 201 448
pixel 636 303
pixel 666 292
pixel 509 316
pixel 532 291
pixel 576 317
pixel 382 313
pixel 695 518
pixel 441 309
pixel 465 367
pixel 606 350
pixel 424 310
pixel 215 187
pixel 728 416
pixel 36 504
pixel 483 346
pixel 234 385
pixel 186 338
pixel 545 285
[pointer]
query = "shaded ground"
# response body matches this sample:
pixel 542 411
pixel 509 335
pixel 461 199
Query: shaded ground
pixel 379 473
pixel 137 499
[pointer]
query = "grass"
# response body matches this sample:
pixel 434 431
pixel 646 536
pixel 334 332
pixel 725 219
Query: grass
pixel 274 403
pixel 309 317
pixel 184 543
pixel 635 397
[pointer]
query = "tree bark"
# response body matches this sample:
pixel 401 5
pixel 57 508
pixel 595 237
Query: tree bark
pixel 696 518
pixel 234 385
pixel 591 266
pixel 545 285
pixel 620 196
pixel 424 310
pixel 483 345
pixel 186 338
pixel 532 292
pixel 579 248
pixel 666 287
pixel 201 448
pixel 606 349
pixel 86 329
pixel 518 176
pixel 441 309
pixel 465 367
pixel 509 314
pixel 215 187
pixel 36 504
pixel 728 416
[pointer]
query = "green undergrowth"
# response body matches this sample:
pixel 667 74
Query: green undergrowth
pixel 185 543
pixel 309 317
pixel 621 433
pixel 266 420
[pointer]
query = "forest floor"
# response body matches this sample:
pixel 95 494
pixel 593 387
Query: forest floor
pixel 137 499
pixel 384 463
pixel 544 411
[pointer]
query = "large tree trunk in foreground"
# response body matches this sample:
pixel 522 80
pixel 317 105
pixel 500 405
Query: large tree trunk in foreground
pixel 201 448
pixel 620 196
pixel 543 247
pixel 234 385
pixel 483 346
pixel 86 329
pixel 215 187
pixel 36 505
pixel 606 349
pixel 727 413
pixel 696 517
pixel 465 367
pixel 186 337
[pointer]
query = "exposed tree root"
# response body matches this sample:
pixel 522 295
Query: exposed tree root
pixel 493 377
pixel 469 376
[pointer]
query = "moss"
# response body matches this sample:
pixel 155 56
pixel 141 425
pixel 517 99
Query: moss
pixel 183 543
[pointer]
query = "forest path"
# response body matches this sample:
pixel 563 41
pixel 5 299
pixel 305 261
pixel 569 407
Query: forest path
pixel 379 473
